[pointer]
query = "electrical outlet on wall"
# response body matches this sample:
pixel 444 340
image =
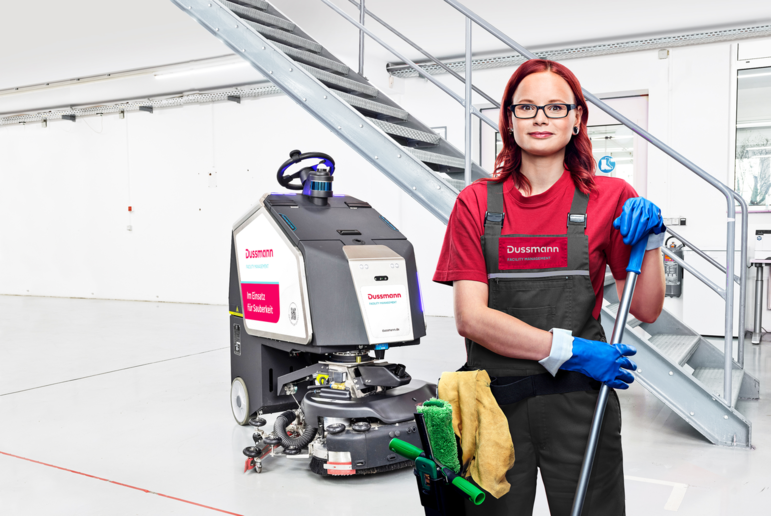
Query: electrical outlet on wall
pixel 674 221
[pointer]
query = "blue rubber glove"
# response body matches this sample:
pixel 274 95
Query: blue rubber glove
pixel 603 362
pixel 639 218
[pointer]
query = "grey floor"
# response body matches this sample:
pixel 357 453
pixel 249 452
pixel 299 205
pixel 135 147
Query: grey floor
pixel 121 408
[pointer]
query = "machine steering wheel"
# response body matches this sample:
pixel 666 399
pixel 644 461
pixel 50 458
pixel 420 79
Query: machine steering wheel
pixel 296 157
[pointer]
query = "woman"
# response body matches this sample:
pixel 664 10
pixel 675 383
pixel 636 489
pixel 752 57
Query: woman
pixel 526 254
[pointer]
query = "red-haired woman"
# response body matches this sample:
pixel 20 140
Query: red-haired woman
pixel 526 255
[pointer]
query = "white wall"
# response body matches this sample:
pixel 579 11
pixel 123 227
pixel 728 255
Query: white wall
pixel 63 203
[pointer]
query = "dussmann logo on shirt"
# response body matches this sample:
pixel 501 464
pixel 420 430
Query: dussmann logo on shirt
pixel 532 252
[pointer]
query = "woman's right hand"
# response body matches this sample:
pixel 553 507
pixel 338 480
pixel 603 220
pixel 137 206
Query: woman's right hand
pixel 604 362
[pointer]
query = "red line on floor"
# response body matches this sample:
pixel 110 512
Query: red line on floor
pixel 119 484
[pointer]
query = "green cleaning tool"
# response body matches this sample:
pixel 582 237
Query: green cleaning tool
pixel 438 416
pixel 434 477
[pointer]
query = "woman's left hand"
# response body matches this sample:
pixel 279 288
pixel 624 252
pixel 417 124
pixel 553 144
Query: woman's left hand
pixel 639 218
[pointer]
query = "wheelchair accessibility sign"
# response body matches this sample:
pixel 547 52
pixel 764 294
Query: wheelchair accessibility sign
pixel 606 164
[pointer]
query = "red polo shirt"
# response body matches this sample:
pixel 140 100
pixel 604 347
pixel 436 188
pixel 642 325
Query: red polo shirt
pixel 544 214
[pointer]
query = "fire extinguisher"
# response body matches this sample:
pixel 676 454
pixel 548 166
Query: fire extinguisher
pixel 672 271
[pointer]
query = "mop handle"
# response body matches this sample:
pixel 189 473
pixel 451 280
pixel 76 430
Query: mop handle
pixel 632 271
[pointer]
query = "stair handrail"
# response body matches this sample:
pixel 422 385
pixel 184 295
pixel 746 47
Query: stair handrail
pixel 701 253
pixel 728 193
pixel 436 61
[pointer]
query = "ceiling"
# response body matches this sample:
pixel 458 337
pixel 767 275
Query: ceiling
pixel 65 40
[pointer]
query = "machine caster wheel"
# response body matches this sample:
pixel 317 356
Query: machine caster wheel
pixel 335 428
pixel 361 426
pixel 257 422
pixel 239 401
pixel 256 438
pixel 258 467
pixel 272 439
pixel 251 451
pixel 292 450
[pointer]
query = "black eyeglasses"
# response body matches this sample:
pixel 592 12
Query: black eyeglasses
pixel 550 110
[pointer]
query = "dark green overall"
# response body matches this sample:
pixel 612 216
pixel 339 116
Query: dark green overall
pixel 540 282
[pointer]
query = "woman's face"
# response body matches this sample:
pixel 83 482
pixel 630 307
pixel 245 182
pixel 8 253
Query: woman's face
pixel 542 136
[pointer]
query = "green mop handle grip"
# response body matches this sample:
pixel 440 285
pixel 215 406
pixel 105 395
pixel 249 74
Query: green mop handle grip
pixel 475 494
pixel 405 449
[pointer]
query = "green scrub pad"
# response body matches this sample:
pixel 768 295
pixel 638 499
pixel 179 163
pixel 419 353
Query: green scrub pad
pixel 438 416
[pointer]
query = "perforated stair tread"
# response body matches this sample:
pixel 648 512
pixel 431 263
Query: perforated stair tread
pixel 336 81
pixel 438 159
pixel 406 132
pixel 373 107
pixel 285 37
pixel 712 378
pixel 678 348
pixel 312 59
pixel 257 4
pixel 631 320
pixel 250 13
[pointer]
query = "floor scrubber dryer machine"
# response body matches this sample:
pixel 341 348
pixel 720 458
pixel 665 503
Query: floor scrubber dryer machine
pixel 321 285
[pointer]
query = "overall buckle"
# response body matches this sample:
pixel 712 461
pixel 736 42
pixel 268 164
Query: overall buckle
pixel 577 219
pixel 494 218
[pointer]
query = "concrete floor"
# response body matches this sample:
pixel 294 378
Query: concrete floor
pixel 122 408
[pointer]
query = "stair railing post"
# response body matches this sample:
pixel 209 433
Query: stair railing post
pixel 743 279
pixel 362 14
pixel 468 106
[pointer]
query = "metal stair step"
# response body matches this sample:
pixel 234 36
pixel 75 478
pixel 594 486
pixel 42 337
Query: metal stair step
pixel 438 159
pixel 372 106
pixel 280 35
pixel 257 4
pixel 313 59
pixel 331 79
pixel 249 13
pixel 712 378
pixel 678 348
pixel 631 320
pixel 406 132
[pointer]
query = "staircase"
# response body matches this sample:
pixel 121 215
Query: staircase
pixel 417 159
pixel 685 371
pixel 676 364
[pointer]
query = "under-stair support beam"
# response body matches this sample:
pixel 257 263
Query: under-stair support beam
pixel 404 58
pixel 436 61
pixel 727 192
pixel 415 178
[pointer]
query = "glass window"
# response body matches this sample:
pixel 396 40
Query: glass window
pixel 613 150
pixel 753 135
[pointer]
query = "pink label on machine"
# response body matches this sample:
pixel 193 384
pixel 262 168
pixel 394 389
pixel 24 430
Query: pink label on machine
pixel 532 252
pixel 261 301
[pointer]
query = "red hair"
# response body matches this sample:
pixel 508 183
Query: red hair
pixel 578 152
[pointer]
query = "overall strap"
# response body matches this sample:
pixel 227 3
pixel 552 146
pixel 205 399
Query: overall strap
pixel 577 217
pixel 495 215
pixel 493 225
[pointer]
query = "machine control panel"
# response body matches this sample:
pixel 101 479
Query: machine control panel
pixel 380 279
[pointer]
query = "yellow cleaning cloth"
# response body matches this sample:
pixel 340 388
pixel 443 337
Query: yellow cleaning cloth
pixel 482 428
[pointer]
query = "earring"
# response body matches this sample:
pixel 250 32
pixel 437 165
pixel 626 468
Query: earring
pixel 576 130
pixel 511 131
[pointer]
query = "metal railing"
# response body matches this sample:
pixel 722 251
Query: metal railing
pixel 731 196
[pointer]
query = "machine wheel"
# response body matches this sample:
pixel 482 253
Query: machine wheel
pixel 239 401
